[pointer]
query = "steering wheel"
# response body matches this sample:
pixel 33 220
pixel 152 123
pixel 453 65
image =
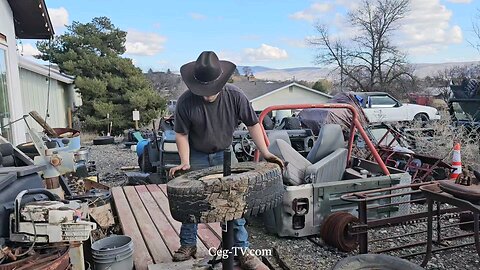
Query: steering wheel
pixel 248 146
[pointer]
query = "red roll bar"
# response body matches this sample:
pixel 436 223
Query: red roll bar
pixel 356 124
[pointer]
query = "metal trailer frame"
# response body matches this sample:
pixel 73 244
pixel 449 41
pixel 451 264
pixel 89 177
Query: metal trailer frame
pixel 366 198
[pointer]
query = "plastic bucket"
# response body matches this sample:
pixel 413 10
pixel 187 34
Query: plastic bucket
pixel 113 253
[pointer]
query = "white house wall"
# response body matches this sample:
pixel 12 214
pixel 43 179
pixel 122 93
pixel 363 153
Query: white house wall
pixel 35 94
pixel 13 82
pixel 289 95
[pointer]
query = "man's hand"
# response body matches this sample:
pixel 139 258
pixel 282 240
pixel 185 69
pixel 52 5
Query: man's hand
pixel 269 157
pixel 181 167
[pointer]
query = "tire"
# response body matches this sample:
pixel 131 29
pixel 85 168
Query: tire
pixel 374 261
pixel 422 117
pixel 103 140
pixel 206 196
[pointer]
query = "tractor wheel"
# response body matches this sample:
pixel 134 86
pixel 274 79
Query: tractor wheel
pixel 335 231
pixel 206 195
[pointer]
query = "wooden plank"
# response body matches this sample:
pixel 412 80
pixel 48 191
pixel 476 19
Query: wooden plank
pixel 207 236
pixel 166 230
pixel 152 238
pixel 160 197
pixel 141 256
pixel 216 228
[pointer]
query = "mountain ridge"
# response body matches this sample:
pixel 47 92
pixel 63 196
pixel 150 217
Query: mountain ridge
pixel 313 74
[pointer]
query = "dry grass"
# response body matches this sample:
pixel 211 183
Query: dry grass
pixel 87 137
pixel 444 136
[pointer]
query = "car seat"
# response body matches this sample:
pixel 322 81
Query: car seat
pixel 328 155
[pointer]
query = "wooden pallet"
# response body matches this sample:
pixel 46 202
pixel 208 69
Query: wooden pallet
pixel 144 215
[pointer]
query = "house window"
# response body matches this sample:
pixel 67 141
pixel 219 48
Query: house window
pixel 3 38
pixel 290 89
pixel 4 108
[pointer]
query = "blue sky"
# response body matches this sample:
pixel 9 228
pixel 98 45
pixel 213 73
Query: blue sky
pixel 272 33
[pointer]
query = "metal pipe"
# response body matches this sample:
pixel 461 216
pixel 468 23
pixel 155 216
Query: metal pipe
pixel 227 232
pixel 428 253
pixel 363 238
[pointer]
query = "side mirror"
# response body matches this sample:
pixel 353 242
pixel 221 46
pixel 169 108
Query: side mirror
pixel 398 104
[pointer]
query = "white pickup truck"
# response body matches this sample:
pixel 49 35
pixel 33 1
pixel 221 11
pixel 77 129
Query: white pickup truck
pixel 382 107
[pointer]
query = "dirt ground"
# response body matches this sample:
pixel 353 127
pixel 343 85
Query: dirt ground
pixel 297 253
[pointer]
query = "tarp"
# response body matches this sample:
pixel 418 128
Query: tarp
pixel 315 118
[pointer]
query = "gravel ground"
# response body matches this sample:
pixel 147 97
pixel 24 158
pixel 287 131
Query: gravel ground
pixel 303 253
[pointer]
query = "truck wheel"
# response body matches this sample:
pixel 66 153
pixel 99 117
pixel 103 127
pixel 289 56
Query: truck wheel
pixel 421 117
pixel 335 231
pixel 206 196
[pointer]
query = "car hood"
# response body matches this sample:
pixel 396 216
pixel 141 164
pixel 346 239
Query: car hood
pixel 417 107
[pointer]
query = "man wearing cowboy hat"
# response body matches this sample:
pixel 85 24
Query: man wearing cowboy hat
pixel 205 118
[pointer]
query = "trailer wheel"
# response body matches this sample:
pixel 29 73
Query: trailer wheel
pixel 335 231
pixel 206 196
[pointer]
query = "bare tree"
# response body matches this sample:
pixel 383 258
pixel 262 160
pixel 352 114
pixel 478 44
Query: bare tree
pixel 369 61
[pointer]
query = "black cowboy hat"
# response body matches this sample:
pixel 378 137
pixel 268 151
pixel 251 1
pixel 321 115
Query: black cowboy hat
pixel 207 75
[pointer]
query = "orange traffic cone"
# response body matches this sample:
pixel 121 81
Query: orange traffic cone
pixel 456 162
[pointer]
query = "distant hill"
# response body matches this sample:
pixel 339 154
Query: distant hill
pixel 313 74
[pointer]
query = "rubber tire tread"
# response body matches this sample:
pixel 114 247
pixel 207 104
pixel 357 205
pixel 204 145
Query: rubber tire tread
pixel 257 188
pixel 103 140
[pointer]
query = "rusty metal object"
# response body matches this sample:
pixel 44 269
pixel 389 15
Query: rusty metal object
pixel 335 231
pixel 55 259
pixel 470 193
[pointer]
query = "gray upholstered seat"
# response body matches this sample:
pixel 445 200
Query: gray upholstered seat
pixel 329 168
pixel 272 135
pixel 294 172
pixel 330 138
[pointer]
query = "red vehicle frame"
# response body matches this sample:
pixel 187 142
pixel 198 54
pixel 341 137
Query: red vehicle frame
pixel 356 125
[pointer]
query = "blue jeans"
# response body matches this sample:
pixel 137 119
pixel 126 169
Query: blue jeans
pixel 188 232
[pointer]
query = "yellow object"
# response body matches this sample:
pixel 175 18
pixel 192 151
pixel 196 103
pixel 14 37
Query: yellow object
pixel 92 178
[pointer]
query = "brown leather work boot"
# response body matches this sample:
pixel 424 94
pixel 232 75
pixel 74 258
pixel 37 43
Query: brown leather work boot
pixel 184 253
pixel 249 261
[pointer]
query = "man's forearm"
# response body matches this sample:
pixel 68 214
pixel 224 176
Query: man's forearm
pixel 257 137
pixel 183 148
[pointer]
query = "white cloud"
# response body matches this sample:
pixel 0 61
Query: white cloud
pixel 59 17
pixel 460 1
pixel 197 16
pixel 313 12
pixel 265 52
pixel 28 50
pixel 426 29
pixel 144 43
pixel 428 26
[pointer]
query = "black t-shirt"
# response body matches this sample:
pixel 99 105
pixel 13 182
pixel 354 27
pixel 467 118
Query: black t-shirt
pixel 210 125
